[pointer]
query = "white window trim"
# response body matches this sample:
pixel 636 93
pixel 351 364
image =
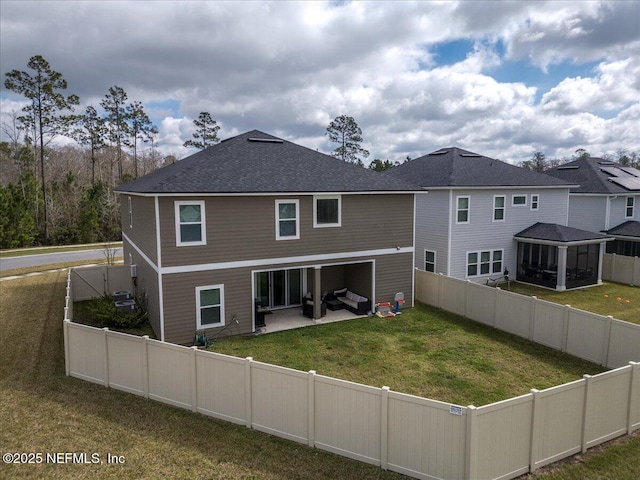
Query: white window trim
pixel 479 263
pixel 513 197
pixel 468 209
pixel 297 219
pixel 537 207
pixel 315 211
pixel 504 208
pixel 203 223
pixel 627 207
pixel 130 212
pixel 434 259
pixel 199 324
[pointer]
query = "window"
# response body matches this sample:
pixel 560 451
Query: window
pixel 519 200
pixel 430 260
pixel 210 306
pixel 287 224
pixel 462 213
pixel 327 211
pixel 629 210
pixel 498 209
pixel 535 200
pixel 130 212
pixel 484 263
pixel 190 223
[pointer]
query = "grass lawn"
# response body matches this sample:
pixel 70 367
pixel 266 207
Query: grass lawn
pixel 42 410
pixel 615 299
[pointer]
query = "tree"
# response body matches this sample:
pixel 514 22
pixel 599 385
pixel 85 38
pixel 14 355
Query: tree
pixel 46 114
pixel 140 128
pixel 344 131
pixel 538 163
pixel 206 133
pixel 581 153
pixel 115 107
pixel 378 165
pixel 92 132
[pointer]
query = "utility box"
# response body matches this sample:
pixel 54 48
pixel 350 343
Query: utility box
pixel 127 306
pixel 121 295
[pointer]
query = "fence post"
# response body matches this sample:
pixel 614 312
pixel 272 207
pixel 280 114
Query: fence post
pixel 194 380
pixel 311 420
pixel 585 412
pixel 440 280
pixel 105 331
pixel 67 352
pixel 533 452
pixel 496 302
pixel 466 298
pixel 636 271
pixel 532 317
pixel 384 427
pixel 635 371
pixel 565 328
pixel 145 366
pixel 606 347
pixel 247 391
pixel 471 445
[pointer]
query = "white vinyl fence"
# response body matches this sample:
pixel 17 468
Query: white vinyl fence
pixel 621 269
pixel 597 338
pixel 415 436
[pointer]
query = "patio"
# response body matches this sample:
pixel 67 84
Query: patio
pixel 289 318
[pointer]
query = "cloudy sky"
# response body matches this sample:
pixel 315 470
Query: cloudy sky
pixel 504 79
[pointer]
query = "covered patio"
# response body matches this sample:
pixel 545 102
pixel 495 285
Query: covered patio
pixel 289 318
pixel 559 257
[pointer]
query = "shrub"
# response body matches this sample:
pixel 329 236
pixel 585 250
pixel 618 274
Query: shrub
pixel 103 313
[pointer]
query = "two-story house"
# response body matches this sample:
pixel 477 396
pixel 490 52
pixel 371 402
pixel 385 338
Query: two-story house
pixel 484 218
pixel 258 219
pixel 606 198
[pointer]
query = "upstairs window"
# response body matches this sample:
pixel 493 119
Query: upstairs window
pixel 190 223
pixel 498 208
pixel 519 200
pixel 535 202
pixel 462 211
pixel 287 221
pixel 327 211
pixel 629 208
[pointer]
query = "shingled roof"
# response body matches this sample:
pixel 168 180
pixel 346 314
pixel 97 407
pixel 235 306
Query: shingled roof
pixel 256 162
pixel 455 167
pixel 593 175
pixel 630 228
pixel 552 232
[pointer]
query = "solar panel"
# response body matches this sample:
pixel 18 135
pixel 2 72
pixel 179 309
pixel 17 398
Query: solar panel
pixel 631 171
pixel 569 167
pixel 439 152
pixel 630 183
pixel 613 171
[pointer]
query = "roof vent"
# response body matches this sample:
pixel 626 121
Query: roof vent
pixel 439 152
pixel 470 155
pixel 569 167
pixel 265 140
pixel 607 162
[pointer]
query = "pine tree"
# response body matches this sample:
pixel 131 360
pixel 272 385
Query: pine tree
pixel 344 131
pixel 206 133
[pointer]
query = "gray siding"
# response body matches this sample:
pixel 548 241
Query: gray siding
pixel 243 228
pixel 432 228
pixel 143 230
pixel 617 209
pixel 588 212
pixel 482 233
pixel 393 273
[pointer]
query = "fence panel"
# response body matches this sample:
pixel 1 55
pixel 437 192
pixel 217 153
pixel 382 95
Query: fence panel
pixel 425 438
pixel 347 419
pixel 481 303
pixel 126 362
pixel 621 269
pixel 634 396
pixel 624 344
pixel 607 406
pixel 279 400
pixel 92 282
pixel 427 287
pixel 505 430
pixel 87 353
pixel 452 295
pixel 549 324
pixel 170 378
pixel 513 313
pixel 559 412
pixel 587 336
pixel 221 386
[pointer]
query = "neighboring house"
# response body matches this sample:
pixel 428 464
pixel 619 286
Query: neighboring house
pixel 607 199
pixel 259 220
pixel 475 223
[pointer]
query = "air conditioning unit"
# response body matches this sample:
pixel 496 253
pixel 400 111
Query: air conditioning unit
pixel 127 306
pixel 121 295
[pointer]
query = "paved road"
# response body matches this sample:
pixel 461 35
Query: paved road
pixel 43 259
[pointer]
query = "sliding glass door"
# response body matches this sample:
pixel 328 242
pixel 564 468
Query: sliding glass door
pixel 279 288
